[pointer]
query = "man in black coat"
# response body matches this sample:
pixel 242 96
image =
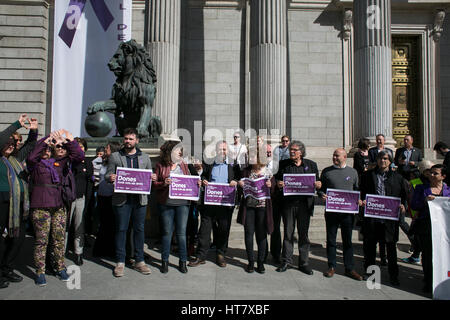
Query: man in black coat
pixel 373 152
pixel 297 209
pixel 407 157
pixel 382 181
pixel 219 171
pixel 441 148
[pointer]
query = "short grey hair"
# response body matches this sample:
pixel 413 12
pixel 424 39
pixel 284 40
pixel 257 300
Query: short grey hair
pixel 300 145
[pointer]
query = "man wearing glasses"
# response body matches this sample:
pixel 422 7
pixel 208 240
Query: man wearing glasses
pixel 297 209
pixel 238 151
pixel 282 152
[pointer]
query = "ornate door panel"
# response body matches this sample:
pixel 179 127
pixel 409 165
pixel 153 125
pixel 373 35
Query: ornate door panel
pixel 405 100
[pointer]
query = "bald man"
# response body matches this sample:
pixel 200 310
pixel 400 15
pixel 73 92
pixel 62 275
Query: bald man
pixel 339 176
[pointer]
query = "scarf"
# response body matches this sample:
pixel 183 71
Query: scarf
pixel 14 169
pixel 50 165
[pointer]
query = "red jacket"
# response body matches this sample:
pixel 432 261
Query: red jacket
pixel 162 172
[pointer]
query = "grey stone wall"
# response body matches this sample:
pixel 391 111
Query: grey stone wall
pixel 211 62
pixel 315 94
pixel 24 36
pixel 445 82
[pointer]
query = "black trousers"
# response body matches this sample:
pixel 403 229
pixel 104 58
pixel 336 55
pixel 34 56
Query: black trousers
pixel 255 223
pixel 370 248
pixel 333 221
pixel 275 237
pixel 221 215
pixel 9 247
pixel 296 213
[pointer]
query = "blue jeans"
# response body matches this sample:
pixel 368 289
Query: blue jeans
pixel 122 214
pixel 169 214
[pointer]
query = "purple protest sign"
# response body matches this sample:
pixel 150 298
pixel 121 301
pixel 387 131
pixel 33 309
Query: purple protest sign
pixel 382 207
pixel 256 188
pixel 184 187
pixel 220 194
pixel 344 201
pixel 73 15
pixel 299 184
pixel 138 181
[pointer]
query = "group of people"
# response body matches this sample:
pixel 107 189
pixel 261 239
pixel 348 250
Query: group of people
pixel 51 180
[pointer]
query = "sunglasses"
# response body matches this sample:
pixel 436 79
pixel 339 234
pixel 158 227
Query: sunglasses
pixel 284 140
pixel 58 146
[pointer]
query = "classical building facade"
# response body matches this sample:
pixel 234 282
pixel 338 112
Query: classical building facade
pixel 324 72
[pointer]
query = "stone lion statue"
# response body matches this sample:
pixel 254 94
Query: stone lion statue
pixel 133 92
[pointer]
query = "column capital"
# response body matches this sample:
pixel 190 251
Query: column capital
pixel 347 22
pixel 439 18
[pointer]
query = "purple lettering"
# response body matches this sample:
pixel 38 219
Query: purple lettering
pixel 121 26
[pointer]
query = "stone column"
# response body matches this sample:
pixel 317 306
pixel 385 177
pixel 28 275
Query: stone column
pixel 164 48
pixel 373 69
pixel 268 55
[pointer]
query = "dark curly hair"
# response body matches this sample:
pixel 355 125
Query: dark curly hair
pixel 166 151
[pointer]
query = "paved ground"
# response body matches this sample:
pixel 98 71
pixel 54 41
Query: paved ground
pixel 210 282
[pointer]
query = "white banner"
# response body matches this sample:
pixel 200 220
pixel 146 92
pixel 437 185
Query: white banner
pixel 440 226
pixel 87 33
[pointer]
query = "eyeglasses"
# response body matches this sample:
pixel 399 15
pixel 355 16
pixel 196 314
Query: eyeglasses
pixel 58 146
pixel 237 137
pixel 284 140
pixel 269 152
pixel 292 149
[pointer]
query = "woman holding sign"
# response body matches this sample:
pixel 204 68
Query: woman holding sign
pixel 172 211
pixel 382 181
pixel 422 194
pixel 255 211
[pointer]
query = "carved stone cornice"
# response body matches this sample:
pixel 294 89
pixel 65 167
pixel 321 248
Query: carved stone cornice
pixel 347 22
pixel 439 18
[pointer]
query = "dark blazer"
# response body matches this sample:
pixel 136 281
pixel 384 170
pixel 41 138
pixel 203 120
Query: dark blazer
pixel 447 164
pixel 395 186
pixel 309 167
pixel 233 172
pixel 416 156
pixel 373 152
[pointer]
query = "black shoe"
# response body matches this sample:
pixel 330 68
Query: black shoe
pixel 250 267
pixel 260 268
pixel 306 269
pixel 11 276
pixel 182 267
pixel 284 266
pixel 394 281
pixel 3 283
pixel 78 259
pixel 164 267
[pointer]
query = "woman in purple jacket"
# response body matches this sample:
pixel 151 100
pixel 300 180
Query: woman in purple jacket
pixel 49 212
pixel 422 194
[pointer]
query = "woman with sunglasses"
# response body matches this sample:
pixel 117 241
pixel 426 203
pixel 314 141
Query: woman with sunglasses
pixel 14 202
pixel 49 211
pixel 422 195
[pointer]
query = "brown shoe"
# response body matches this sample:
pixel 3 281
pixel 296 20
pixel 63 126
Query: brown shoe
pixel 118 270
pixel 221 261
pixel 142 268
pixel 329 273
pixel 196 262
pixel 354 275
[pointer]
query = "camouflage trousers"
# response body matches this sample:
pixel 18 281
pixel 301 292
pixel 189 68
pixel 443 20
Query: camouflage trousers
pixel 46 222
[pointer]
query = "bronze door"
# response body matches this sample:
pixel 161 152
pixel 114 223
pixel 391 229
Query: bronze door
pixel 405 89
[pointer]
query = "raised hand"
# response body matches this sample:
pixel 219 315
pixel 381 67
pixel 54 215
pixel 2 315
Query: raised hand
pixel 68 134
pixel 22 120
pixel 33 123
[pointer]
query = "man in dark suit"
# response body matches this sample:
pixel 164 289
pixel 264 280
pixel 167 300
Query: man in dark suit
pixel 373 152
pixel 219 171
pixel 441 148
pixel 407 157
pixel 297 209
pixel 382 181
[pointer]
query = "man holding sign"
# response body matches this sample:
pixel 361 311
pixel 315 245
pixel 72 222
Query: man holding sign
pixel 220 171
pixel 340 210
pixel 382 181
pixel 297 208
pixel 128 205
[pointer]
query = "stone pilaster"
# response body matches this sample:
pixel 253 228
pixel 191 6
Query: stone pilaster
pixel 373 69
pixel 164 48
pixel 268 55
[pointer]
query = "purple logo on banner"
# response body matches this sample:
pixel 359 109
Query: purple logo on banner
pixel 299 184
pixel 342 201
pixel 382 207
pixel 184 187
pixel 220 194
pixel 138 181
pixel 73 15
pixel 256 188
